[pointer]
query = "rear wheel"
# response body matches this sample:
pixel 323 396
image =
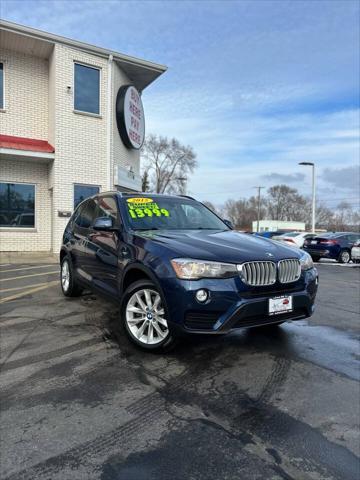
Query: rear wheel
pixel 69 286
pixel 344 256
pixel 145 317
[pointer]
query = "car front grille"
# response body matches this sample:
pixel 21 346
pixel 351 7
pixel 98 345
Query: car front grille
pixel 289 270
pixel 260 274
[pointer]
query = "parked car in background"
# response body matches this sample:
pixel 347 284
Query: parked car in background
pixel 335 245
pixel 294 238
pixel 355 251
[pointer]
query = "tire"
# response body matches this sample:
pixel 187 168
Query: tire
pixel 344 256
pixel 315 258
pixel 69 286
pixel 144 317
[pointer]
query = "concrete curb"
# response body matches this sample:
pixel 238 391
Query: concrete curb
pixel 32 258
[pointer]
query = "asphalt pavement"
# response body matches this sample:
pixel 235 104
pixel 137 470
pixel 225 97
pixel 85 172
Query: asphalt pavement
pixel 79 402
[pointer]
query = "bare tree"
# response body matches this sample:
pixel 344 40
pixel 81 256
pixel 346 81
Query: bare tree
pixel 169 164
pixel 145 185
pixel 211 206
pixel 242 212
pixel 285 203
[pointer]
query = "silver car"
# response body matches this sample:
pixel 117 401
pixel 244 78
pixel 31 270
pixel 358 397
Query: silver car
pixel 355 252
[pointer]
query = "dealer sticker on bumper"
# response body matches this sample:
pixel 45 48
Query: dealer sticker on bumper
pixel 280 304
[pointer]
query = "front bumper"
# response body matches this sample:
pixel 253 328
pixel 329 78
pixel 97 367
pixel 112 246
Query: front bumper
pixel 233 305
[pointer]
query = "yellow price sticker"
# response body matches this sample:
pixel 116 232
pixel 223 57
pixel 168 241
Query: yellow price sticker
pixel 139 200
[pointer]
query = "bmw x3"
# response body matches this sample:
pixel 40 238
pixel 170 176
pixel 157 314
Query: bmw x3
pixel 176 268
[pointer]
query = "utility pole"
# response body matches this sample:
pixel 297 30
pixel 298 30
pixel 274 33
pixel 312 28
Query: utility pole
pixel 313 215
pixel 258 207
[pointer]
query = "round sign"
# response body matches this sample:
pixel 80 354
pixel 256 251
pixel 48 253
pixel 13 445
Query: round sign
pixel 130 117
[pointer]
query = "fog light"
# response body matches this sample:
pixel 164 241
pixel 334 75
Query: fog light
pixel 202 295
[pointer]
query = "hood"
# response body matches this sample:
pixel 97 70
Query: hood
pixel 222 246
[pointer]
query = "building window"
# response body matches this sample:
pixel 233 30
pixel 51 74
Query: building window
pixel 81 192
pixel 2 91
pixel 87 89
pixel 17 205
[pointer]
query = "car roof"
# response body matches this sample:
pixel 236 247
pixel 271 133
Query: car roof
pixel 143 194
pixel 336 234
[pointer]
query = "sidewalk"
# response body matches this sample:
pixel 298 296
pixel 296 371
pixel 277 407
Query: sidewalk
pixel 31 258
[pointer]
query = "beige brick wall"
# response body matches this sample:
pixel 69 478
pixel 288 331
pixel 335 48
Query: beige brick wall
pixel 26 96
pixel 24 240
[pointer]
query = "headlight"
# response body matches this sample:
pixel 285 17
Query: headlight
pixel 306 261
pixel 188 269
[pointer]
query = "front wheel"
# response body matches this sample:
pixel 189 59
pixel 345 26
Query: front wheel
pixel 145 317
pixel 344 256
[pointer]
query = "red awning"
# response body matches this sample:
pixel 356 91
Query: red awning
pixel 29 144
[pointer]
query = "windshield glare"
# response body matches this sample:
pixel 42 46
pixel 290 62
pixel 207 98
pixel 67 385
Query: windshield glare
pixel 167 213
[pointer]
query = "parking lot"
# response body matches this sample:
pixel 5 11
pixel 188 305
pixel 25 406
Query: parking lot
pixel 80 402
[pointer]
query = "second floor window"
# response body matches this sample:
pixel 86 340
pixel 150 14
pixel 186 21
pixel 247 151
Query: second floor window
pixel 2 93
pixel 87 89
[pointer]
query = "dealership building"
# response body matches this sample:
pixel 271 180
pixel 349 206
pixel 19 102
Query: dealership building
pixel 71 125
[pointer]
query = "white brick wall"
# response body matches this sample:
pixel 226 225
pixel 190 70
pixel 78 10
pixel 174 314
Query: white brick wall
pixel 80 140
pixel 120 154
pixel 26 96
pixel 40 105
pixel 38 239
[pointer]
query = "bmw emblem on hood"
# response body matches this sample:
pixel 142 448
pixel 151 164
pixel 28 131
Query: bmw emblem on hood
pixel 269 254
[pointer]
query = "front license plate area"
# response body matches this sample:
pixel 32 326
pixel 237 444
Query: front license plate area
pixel 281 304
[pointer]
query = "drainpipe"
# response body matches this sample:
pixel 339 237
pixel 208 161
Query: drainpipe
pixel 109 124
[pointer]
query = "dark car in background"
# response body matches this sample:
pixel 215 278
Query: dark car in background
pixel 334 245
pixel 176 268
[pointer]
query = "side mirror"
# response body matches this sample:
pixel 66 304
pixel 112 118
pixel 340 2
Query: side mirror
pixel 228 223
pixel 103 223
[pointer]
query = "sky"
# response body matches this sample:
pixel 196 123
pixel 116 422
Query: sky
pixel 255 87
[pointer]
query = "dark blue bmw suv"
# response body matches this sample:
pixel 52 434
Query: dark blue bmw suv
pixel 176 268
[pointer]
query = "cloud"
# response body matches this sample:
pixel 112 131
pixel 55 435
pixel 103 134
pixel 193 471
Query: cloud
pixel 347 178
pixel 281 178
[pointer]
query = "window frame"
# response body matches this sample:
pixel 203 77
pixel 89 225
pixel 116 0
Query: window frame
pixel 3 106
pixel 83 207
pixel 120 222
pixel 83 185
pixel 94 67
pixel 23 229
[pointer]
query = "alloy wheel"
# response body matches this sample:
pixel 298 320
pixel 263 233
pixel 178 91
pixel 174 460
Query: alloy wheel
pixel 65 275
pixel 345 257
pixel 145 317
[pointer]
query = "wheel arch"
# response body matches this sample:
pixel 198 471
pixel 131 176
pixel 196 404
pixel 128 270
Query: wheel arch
pixel 135 272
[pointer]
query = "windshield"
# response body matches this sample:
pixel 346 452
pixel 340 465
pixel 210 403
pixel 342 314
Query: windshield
pixel 170 213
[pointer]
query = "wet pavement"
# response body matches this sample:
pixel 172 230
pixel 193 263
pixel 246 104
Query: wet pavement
pixel 79 402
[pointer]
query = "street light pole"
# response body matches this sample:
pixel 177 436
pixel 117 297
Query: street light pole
pixel 258 208
pixel 313 214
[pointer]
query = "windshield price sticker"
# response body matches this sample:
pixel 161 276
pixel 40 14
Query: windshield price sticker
pixel 145 207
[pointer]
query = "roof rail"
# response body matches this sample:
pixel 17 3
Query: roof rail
pixel 187 196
